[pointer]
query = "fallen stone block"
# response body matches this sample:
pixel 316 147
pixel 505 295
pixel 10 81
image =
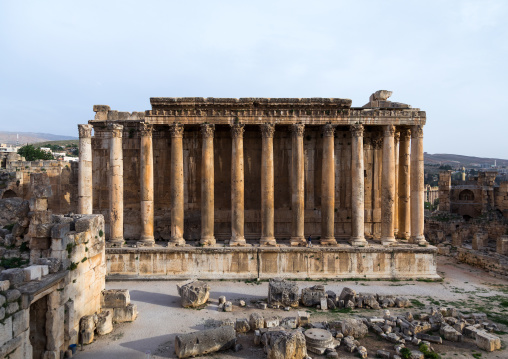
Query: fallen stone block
pixel 289 323
pixel 205 342
pixel 347 294
pixel 449 333
pixel 362 352
pixel 115 298
pixel 194 294
pixel 283 293
pixel 104 323
pixel 87 328
pixel 272 322
pixel 228 306
pixel 430 338
pixel 283 344
pixel 125 314
pixel 256 321
pixel 383 354
pixel 354 327
pixel 242 325
pixel 318 340
pixel 303 318
pixel 487 341
pixel 312 296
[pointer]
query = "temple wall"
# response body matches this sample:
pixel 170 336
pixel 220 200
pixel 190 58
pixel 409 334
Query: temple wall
pixel 404 262
pixel 192 142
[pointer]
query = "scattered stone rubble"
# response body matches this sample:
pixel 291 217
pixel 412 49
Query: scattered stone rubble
pixel 194 294
pixel 283 293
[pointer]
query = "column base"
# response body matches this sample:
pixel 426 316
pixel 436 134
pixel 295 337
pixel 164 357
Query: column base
pixel 115 243
pixel 145 243
pixel 268 241
pixel 238 242
pixel 207 241
pixel 358 242
pixel 298 242
pixel 390 241
pixel 404 236
pixel 420 240
pixel 329 241
pixel 175 242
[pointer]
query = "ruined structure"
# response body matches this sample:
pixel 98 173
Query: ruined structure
pixel 256 171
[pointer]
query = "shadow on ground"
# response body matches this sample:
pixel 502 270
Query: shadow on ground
pixel 165 300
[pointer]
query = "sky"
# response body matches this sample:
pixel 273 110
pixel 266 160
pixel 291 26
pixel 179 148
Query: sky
pixel 449 58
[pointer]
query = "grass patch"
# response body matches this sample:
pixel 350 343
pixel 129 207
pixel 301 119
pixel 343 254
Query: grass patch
pixel 417 304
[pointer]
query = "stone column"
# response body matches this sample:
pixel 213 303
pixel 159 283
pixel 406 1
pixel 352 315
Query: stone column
pixel 85 189
pixel 115 185
pixel 146 184
pixel 267 186
pixel 357 187
pixel 177 191
pixel 396 174
pixel 328 187
pixel 417 195
pixel 388 186
pixel 207 186
pixel 237 187
pixel 404 211
pixel 377 145
pixel 297 186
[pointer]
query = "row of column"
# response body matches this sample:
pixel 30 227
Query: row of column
pixel 401 200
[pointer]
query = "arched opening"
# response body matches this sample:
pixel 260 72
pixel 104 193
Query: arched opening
pixel 9 194
pixel 466 195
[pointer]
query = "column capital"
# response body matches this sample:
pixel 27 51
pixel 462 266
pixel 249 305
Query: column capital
pixel 267 130
pixel 389 131
pixel 405 134
pixel 356 130
pixel 207 130
pixel 417 131
pixel 397 137
pixel 376 141
pixel 297 129
pixel 85 131
pixel 328 130
pixel 145 129
pixel 115 129
pixel 237 130
pixel 176 130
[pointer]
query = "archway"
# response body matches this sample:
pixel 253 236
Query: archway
pixel 466 195
pixel 9 194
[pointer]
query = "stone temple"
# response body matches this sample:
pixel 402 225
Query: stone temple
pixel 234 187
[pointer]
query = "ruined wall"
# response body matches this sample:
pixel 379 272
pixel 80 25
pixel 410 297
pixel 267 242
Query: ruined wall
pixel 222 161
pixel 62 176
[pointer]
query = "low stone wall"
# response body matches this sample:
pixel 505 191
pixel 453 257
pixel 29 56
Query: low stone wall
pixel 341 262
pixel 495 264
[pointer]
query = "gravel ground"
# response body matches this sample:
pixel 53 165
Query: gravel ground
pixel 161 317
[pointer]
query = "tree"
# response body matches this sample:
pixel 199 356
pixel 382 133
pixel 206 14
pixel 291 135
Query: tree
pixel 33 154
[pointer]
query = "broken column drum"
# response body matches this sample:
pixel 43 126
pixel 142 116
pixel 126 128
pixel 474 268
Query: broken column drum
pixel 258 170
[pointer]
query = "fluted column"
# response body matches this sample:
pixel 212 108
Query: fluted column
pixel 146 183
pixel 207 186
pixel 377 145
pixel 388 186
pixel 417 186
pixel 328 187
pixel 115 180
pixel 85 189
pixel 404 185
pixel 357 187
pixel 267 186
pixel 297 186
pixel 177 191
pixel 237 187
pixel 396 197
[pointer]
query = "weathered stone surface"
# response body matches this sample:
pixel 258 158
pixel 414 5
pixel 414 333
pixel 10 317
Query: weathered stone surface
pixel 242 325
pixel 12 210
pixel 318 340
pixel 115 298
pixel 303 318
pixel 256 321
pixel 312 296
pixel 272 322
pixel 12 295
pixel 104 323
pixel 15 276
pixel 487 341
pixel 194 294
pixel 289 323
pixel 347 294
pixel 449 333
pixel 87 328
pixel 53 264
pixel 354 327
pixel 205 342
pixel 283 344
pixel 283 293
pixel 4 285
pixel 5 331
pixel 125 314
pixel 40 185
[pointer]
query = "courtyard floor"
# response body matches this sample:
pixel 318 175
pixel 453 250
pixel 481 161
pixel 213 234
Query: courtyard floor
pixel 161 317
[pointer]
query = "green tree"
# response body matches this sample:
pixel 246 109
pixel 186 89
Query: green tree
pixel 33 154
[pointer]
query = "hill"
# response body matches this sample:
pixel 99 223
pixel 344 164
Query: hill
pixel 461 161
pixel 63 143
pixel 30 137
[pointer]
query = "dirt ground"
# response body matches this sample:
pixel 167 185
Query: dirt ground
pixel 161 317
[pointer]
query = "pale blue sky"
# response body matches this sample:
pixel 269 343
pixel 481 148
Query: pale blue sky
pixel 449 58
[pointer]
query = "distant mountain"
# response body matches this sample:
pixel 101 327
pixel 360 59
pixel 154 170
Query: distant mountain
pixel 459 160
pixel 30 137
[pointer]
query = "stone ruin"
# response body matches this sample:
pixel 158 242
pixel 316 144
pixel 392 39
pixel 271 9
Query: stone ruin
pixel 411 334
pixel 52 278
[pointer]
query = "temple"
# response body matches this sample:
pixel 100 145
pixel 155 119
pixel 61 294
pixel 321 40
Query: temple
pixel 257 173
